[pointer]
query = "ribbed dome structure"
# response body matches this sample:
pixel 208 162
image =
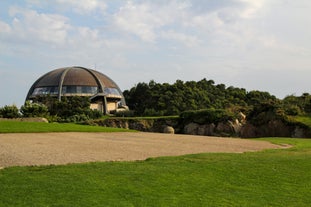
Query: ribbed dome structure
pixel 79 81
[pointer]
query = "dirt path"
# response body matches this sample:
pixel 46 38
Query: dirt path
pixel 62 148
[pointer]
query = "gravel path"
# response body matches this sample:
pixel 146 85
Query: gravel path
pixel 61 148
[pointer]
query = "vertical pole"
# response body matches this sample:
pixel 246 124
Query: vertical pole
pixel 105 105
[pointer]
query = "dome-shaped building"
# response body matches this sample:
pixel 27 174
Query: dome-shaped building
pixel 104 93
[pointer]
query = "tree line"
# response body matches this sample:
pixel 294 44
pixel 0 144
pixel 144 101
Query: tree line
pixel 156 99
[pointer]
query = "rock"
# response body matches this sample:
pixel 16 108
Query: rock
pixel 168 130
pixel 223 127
pixel 242 118
pixel 210 129
pixel 298 133
pixel 206 129
pixel 236 126
pixel 248 130
pixel 274 128
pixel 191 128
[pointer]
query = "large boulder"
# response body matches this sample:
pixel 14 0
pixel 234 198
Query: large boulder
pixel 168 130
pixel 274 128
pixel 191 128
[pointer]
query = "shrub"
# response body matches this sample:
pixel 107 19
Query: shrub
pixel 9 112
pixel 70 109
pixel 207 116
pixel 94 114
pixel 265 112
pixel 34 110
pixel 293 110
pixel 126 113
pixel 152 112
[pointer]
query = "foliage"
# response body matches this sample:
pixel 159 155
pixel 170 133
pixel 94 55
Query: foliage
pixel 9 111
pixel 292 110
pixel 30 127
pixel 297 105
pixel 172 99
pixel 125 113
pixel 306 120
pixel 268 178
pixel 266 111
pixel 34 110
pixel 207 116
pixel 69 109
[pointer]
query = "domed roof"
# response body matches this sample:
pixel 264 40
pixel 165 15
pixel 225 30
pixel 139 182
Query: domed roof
pixel 71 81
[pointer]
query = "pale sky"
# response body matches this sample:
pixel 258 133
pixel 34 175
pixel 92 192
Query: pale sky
pixel 254 44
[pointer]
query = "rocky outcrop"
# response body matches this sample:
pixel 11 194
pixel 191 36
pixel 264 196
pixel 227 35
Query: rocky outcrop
pixel 236 128
pixel 275 128
pixel 146 125
pixel 228 128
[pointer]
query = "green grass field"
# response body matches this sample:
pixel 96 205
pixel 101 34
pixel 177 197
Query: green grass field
pixel 27 127
pixel 269 178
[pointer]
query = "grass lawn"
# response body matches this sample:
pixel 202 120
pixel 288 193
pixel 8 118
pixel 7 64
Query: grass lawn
pixel 25 127
pixel 267 178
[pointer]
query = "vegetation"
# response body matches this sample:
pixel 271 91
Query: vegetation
pixel 298 104
pixel 267 178
pixel 207 116
pixel 25 127
pixel 9 112
pixel 70 109
pixel 154 99
pixel 306 120
pixel 173 99
pixel 202 100
pixel 34 110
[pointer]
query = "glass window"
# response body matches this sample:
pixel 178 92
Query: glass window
pixel 45 90
pixel 71 89
pixel 79 89
pixel 112 91
pixel 53 90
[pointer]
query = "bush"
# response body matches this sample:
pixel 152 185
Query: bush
pixel 126 113
pixel 293 110
pixel 78 118
pixel 34 110
pixel 152 112
pixel 265 112
pixel 207 116
pixel 9 112
pixel 69 109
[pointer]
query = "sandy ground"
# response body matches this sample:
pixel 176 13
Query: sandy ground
pixel 62 148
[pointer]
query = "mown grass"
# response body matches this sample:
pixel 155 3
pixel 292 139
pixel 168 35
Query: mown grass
pixel 27 127
pixel 267 178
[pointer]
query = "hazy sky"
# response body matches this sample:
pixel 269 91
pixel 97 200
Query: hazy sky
pixel 254 44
